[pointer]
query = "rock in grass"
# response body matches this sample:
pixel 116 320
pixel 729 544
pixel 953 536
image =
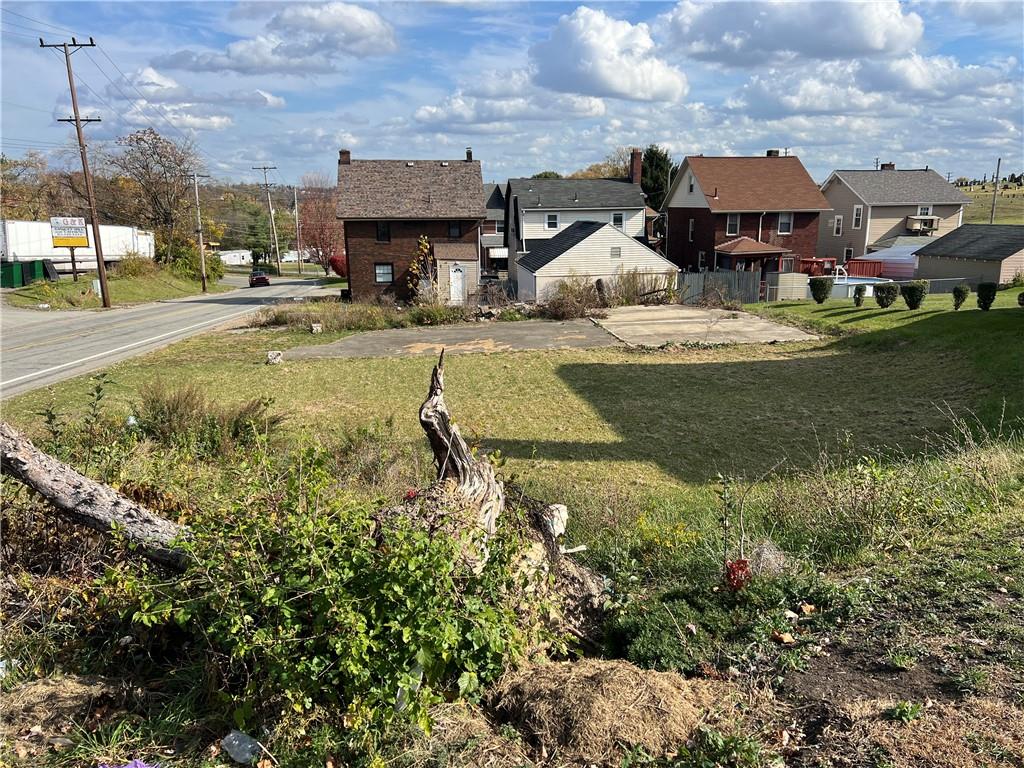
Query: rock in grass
pixel 275 357
pixel 241 747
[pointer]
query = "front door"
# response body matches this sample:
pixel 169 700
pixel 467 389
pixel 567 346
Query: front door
pixel 456 285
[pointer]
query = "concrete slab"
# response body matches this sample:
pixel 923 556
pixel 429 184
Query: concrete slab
pixel 654 326
pixel 456 339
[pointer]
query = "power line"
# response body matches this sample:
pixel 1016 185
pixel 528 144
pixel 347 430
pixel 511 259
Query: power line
pixel 36 21
pixel 270 205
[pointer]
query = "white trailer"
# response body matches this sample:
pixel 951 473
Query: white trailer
pixel 31 241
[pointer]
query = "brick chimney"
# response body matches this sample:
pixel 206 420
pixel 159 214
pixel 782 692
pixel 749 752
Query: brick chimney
pixel 344 157
pixel 469 154
pixel 888 166
pixel 636 165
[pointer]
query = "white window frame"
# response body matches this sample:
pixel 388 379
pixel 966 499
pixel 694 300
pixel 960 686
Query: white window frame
pixel 376 273
pixel 847 254
pixel 621 226
pixel 858 217
pixel 689 182
pixel 837 227
pixel 778 228
pixel 924 210
pixel 547 221
pixel 693 223
pixel 616 252
pixel 729 231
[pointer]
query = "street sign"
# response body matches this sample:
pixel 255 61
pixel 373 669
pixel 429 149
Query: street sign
pixel 69 232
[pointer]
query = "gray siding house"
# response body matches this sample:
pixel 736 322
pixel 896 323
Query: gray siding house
pixel 988 253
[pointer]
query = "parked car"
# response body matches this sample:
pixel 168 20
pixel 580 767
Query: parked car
pixel 258 277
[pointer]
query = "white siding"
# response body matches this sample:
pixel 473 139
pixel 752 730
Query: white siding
pixel 592 259
pixel 527 287
pixel 534 222
pixel 1012 266
pixel 682 197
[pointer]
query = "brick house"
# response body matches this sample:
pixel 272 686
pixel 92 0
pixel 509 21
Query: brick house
pixel 755 214
pixel 386 205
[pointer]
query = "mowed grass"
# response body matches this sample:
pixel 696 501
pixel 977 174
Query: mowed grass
pixel 68 294
pixel 1009 206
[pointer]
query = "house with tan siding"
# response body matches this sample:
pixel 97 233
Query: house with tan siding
pixel 871 209
pixel 592 250
pixel 979 253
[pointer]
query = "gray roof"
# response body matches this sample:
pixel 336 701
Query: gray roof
pixel 547 251
pixel 912 187
pixel 494 202
pixel 410 189
pixel 898 241
pixel 566 194
pixel 979 242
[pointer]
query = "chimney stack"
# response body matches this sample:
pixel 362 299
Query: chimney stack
pixel 469 154
pixel 636 165
pixel 888 166
pixel 344 157
pixel 772 153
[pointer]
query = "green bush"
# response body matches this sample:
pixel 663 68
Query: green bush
pixel 821 288
pixel 357 316
pixel 184 417
pixel 913 293
pixel 986 295
pixel 960 294
pixel 134 265
pixel 187 266
pixel 437 314
pixel 858 295
pixel 301 597
pixel 1020 299
pixel 885 294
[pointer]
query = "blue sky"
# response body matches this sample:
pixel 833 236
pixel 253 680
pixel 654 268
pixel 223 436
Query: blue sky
pixel 530 86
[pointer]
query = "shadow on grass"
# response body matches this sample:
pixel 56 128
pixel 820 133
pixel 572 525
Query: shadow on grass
pixel 884 390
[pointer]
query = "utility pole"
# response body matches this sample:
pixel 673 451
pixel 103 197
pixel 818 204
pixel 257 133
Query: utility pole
pixel 270 205
pixel 298 237
pixel 101 268
pixel 199 227
pixel 876 163
pixel 995 191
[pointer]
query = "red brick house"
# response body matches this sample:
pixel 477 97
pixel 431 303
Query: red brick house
pixel 756 214
pixel 386 205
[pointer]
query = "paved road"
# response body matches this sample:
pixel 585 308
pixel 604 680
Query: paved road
pixel 38 348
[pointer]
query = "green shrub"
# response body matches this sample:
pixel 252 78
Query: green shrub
pixel 913 293
pixel 821 288
pixel 511 315
pixel 437 314
pixel 183 417
pixel 1020 299
pixel 986 295
pixel 885 294
pixel 357 316
pixel 134 265
pixel 301 597
pixel 187 266
pixel 858 295
pixel 960 294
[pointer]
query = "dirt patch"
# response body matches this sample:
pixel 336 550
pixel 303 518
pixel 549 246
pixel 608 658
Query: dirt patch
pixel 461 737
pixel 37 716
pixel 593 711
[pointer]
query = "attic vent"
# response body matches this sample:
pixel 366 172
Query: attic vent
pixel 444 163
pixel 410 164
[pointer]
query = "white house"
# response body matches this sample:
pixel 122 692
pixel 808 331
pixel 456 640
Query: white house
pixel 587 249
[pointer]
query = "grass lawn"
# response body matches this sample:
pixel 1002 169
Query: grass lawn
pixel 1009 207
pixel 67 294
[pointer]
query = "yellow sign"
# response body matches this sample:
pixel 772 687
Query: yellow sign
pixel 69 232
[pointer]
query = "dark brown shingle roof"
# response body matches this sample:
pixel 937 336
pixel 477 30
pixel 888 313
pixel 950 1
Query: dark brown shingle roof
pixel 757 184
pixel 410 189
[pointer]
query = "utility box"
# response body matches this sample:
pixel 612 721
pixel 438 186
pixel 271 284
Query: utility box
pixel 11 275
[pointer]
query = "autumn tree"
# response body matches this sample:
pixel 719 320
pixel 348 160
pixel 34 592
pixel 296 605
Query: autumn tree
pixel 31 191
pixel 615 166
pixel 321 230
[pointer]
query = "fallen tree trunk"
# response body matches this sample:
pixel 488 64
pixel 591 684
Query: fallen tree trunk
pixel 84 501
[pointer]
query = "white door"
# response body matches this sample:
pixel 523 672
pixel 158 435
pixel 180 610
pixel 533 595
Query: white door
pixel 456 284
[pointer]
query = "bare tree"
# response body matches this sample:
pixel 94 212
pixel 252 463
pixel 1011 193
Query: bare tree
pixel 322 233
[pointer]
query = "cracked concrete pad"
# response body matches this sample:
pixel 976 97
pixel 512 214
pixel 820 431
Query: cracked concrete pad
pixel 654 326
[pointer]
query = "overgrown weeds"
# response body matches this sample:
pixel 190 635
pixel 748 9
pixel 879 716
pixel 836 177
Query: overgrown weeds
pixel 359 316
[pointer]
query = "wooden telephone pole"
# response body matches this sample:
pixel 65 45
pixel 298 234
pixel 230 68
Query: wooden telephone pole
pixel 270 205
pixel 101 268
pixel 995 191
pixel 199 227
pixel 298 240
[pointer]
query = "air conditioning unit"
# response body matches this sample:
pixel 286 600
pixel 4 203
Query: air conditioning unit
pixel 922 223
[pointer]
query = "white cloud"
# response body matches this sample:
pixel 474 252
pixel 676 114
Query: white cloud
pixel 776 31
pixel 299 39
pixel 157 88
pixel 942 77
pixel 831 90
pixel 591 53
pixel 990 12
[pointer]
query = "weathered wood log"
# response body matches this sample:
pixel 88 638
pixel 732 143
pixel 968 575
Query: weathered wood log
pixel 87 502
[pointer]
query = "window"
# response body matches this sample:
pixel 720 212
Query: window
pixel 384 273
pixel 454 229
pixel 786 223
pixel 924 210
pixel 837 227
pixel 786 264
pixel 384 232
pixel 701 260
pixel 847 254
pixel 618 220
pixel 499 226
pixel 616 253
pixel 732 224
pixel 689 181
pixel 858 216
pixel 692 222
pixel 551 222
